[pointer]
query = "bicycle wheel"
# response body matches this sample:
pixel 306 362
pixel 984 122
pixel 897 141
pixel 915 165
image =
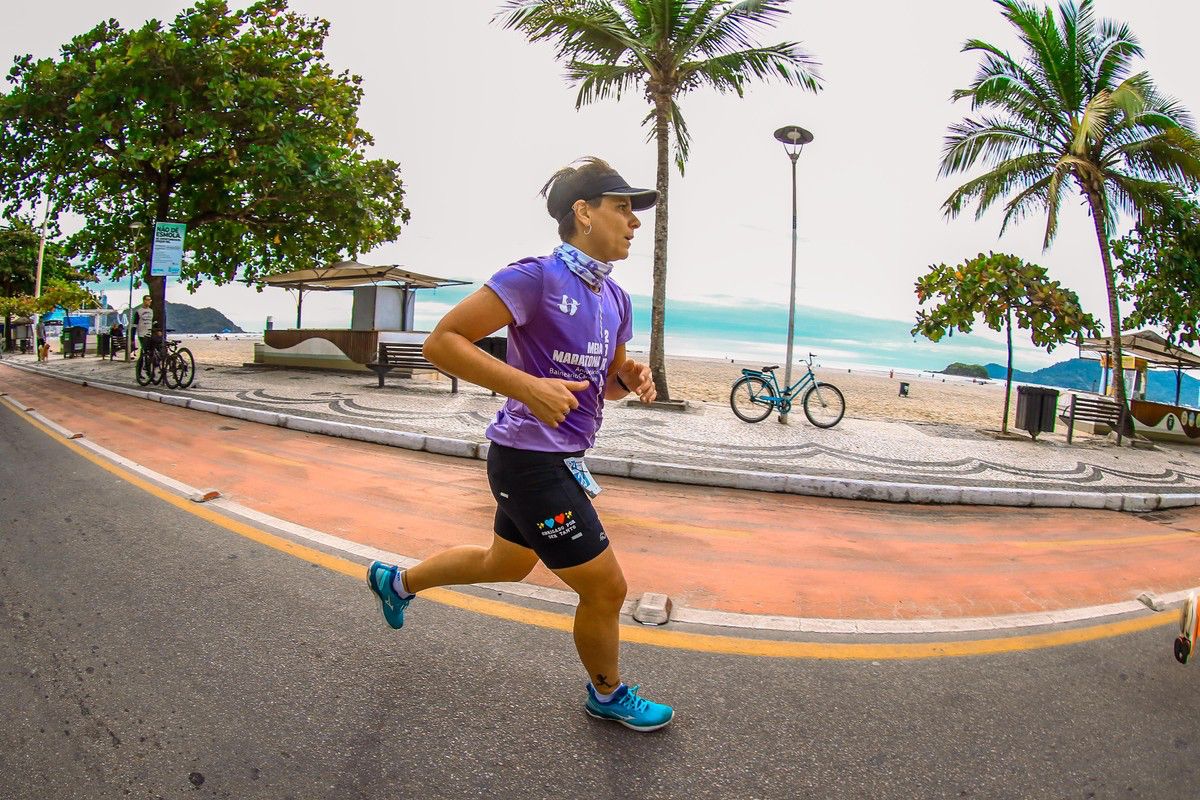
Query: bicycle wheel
pixel 824 405
pixel 751 399
pixel 146 369
pixel 181 369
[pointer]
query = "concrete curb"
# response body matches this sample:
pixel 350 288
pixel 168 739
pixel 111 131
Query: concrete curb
pixel 814 626
pixel 784 483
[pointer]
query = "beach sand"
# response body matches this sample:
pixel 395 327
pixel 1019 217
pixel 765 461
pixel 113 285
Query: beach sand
pixel 869 395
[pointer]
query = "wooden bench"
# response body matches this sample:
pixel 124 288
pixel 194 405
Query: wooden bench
pixel 116 342
pixel 405 356
pixel 1092 409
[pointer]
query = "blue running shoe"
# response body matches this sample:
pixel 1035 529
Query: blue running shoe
pixel 627 708
pixel 379 578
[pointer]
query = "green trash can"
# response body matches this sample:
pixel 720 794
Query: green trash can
pixel 76 341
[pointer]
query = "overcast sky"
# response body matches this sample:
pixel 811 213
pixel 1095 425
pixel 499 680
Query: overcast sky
pixel 478 119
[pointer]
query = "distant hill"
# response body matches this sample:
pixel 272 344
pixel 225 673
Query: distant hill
pixel 183 318
pixel 966 370
pixel 1084 374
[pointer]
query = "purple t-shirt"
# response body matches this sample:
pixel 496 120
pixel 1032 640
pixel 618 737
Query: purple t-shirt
pixel 560 329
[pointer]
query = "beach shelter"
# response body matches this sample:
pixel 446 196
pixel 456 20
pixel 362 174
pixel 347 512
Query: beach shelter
pixel 344 275
pixel 1150 347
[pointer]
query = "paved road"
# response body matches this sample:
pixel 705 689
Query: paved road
pixel 148 653
pixel 726 550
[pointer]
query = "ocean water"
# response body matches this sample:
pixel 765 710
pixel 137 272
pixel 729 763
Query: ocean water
pixel 731 329
pixel 758 332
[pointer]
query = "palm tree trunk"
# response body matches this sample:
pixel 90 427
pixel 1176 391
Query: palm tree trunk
pixel 1008 376
pixel 658 302
pixel 1096 203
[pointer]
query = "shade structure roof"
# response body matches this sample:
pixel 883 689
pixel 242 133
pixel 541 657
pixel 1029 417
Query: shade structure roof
pixel 352 274
pixel 1147 345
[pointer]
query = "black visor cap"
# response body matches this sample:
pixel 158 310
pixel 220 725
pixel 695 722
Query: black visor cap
pixel 569 188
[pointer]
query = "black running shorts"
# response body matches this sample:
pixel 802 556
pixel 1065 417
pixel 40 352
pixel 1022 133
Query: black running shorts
pixel 541 506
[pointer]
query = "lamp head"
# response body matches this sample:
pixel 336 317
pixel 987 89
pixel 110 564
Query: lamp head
pixel 793 138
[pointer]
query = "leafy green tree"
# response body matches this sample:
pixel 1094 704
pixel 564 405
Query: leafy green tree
pixel 1002 290
pixel 19 243
pixel 1159 267
pixel 662 49
pixel 58 293
pixel 229 121
pixel 1068 112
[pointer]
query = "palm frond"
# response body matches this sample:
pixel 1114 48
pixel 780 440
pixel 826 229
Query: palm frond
pixel 1132 95
pixel 733 28
pixel 662 18
pixel 679 134
pixel 587 30
pixel 1115 50
pixel 1078 25
pixel 1139 198
pixel 698 20
pixel 1055 186
pixel 601 81
pixel 1094 124
pixel 638 13
pixel 1038 31
pixel 667 47
pixel 731 71
pixel 683 139
pixel 1173 155
pixel 987 188
pixel 991 139
pixel 1023 203
pixel 1022 89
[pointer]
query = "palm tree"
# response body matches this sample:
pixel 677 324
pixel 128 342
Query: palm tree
pixel 1068 112
pixel 664 48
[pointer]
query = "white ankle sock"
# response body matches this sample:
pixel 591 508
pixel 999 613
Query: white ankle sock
pixel 607 698
pixel 398 585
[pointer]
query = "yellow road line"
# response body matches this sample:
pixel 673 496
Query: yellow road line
pixel 707 643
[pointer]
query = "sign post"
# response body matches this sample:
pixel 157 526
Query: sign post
pixel 166 257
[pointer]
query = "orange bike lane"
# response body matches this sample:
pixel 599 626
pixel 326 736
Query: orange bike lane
pixel 707 548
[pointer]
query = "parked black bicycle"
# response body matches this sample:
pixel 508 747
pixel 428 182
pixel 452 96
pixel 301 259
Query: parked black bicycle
pixel 163 361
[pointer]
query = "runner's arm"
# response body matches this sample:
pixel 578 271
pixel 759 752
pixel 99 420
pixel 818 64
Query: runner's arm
pixel 635 375
pixel 451 346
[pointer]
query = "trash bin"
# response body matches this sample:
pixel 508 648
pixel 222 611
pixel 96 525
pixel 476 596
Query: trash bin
pixel 904 388
pixel 103 344
pixel 74 341
pixel 1037 408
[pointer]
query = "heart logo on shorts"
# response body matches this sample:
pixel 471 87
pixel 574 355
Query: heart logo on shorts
pixel 560 518
pixel 549 523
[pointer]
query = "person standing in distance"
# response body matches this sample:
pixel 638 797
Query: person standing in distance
pixel 568 323
pixel 143 320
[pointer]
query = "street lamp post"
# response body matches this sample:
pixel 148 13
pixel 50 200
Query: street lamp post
pixel 37 281
pixel 136 227
pixel 793 138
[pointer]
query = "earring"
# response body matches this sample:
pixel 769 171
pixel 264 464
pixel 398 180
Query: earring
pixel 588 232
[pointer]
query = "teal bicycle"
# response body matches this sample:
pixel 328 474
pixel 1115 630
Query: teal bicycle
pixel 756 394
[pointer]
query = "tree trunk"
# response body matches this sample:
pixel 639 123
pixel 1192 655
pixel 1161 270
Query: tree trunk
pixel 1008 376
pixel 1096 203
pixel 658 302
pixel 158 285
pixel 8 337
